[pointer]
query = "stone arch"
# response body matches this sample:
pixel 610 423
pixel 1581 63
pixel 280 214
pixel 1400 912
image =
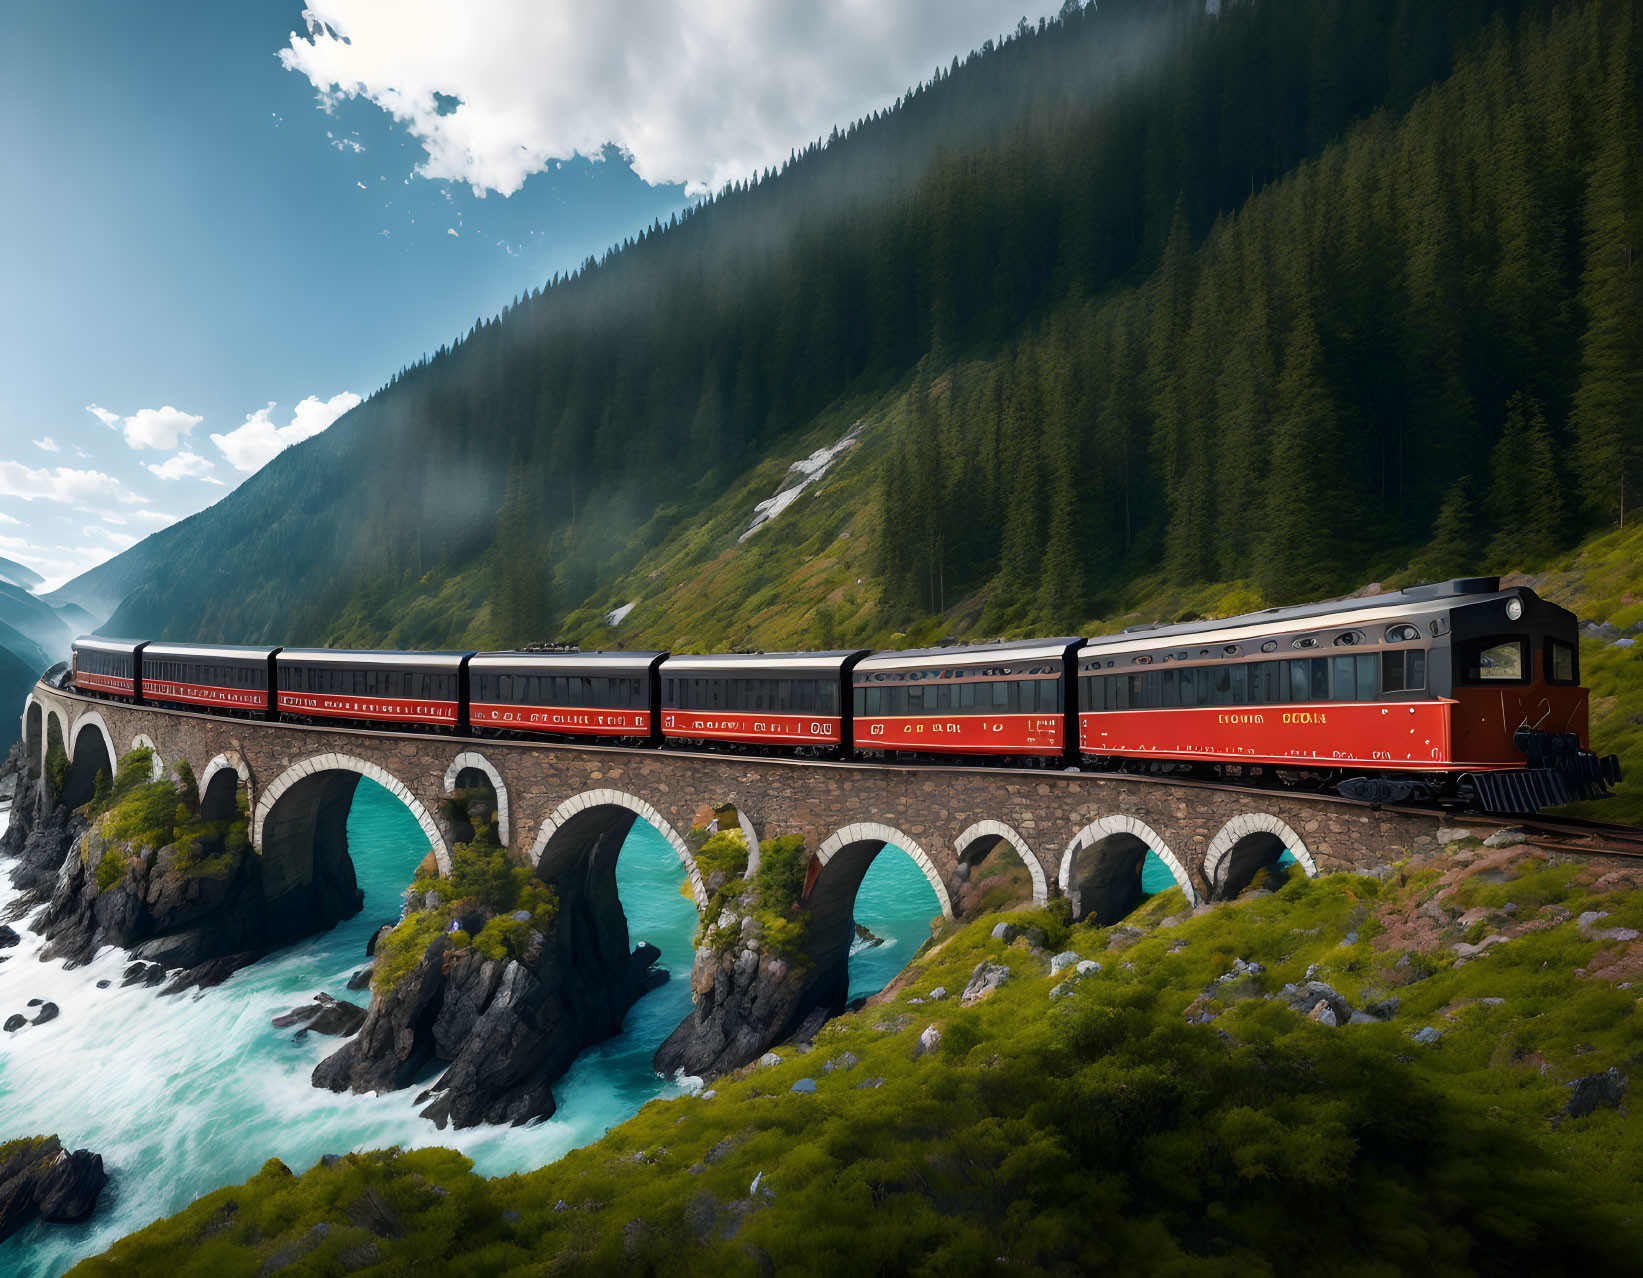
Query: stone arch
pixel 984 837
pixel 217 796
pixel 34 734
pixel 479 763
pixel 57 714
pixel 1245 844
pixel 91 719
pixel 1101 868
pixel 744 822
pixel 836 872
pixel 87 757
pixel 156 765
pixel 298 778
pixel 597 820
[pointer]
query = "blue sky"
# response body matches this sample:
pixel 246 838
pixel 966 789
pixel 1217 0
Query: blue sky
pixel 194 227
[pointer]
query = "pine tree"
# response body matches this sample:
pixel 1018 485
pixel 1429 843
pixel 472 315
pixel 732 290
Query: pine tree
pixel 1608 406
pixel 1525 502
pixel 1453 547
pixel 1309 510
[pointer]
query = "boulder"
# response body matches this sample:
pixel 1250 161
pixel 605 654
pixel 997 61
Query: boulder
pixel 1062 960
pixel 1313 999
pixel 325 1015
pixel 1427 1036
pixel 8 937
pixel 928 1041
pixel 1508 838
pixel 986 978
pixel 39 1178
pixel 1596 1091
pixel 69 1188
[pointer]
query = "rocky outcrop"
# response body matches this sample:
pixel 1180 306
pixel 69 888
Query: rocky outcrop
pixel 507 1028
pixel 37 840
pixel 39 1178
pixel 745 1002
pixel 198 910
pixel 325 1015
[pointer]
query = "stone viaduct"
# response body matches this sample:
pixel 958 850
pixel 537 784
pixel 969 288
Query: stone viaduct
pixel 1081 835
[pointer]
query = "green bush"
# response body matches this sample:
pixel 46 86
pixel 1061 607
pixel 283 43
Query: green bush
pixel 723 852
pixel 111 869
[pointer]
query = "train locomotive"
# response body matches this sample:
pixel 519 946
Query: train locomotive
pixel 1459 692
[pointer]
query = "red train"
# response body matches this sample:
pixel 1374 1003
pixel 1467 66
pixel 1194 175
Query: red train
pixel 1458 691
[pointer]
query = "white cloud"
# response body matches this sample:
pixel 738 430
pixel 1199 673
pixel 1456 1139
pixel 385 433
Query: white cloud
pixel 254 445
pixel 157 519
pixel 47 444
pixel 700 92
pixel 9 519
pixel 158 428
pixel 62 483
pixel 121 540
pixel 184 465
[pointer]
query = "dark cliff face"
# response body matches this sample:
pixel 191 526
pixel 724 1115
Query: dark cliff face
pixel 38 838
pixel 747 999
pixel 195 906
pixel 39 1178
pixel 506 1028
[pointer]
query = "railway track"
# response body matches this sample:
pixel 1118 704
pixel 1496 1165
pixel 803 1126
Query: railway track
pixel 1566 834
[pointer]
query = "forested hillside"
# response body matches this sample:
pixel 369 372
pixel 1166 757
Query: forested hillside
pixel 1285 296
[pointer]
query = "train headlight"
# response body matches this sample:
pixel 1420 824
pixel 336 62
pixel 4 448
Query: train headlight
pixel 1514 609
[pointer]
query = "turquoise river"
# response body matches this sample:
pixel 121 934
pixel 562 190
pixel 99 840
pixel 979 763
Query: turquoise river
pixel 184 1094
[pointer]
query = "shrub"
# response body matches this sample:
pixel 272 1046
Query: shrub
pixel 399 951
pixel 111 869
pixel 724 852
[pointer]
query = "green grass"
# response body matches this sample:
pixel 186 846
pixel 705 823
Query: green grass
pixel 1100 1131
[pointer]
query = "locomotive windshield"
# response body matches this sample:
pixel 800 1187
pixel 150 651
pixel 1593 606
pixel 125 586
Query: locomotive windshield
pixel 1497 661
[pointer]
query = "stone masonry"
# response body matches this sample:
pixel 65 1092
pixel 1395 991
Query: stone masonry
pixel 1071 829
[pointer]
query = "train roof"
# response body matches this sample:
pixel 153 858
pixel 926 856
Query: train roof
pixel 720 663
pixel 1393 605
pixel 222 652
pixel 369 657
pixel 566 661
pixel 969 654
pixel 97 643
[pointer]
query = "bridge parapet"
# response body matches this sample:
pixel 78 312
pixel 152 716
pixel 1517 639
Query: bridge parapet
pixel 1077 832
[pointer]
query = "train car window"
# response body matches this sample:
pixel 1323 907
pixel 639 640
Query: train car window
pixel 1305 641
pixel 1403 671
pixel 1495 661
pixel 1348 638
pixel 1346 679
pixel 1560 662
pixel 1401 633
pixel 1367 688
pixel 1206 687
pixel 1237 686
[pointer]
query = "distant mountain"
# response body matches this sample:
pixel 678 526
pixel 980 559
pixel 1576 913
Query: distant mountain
pixel 1142 298
pixel 37 619
pixel 101 590
pixel 16 574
